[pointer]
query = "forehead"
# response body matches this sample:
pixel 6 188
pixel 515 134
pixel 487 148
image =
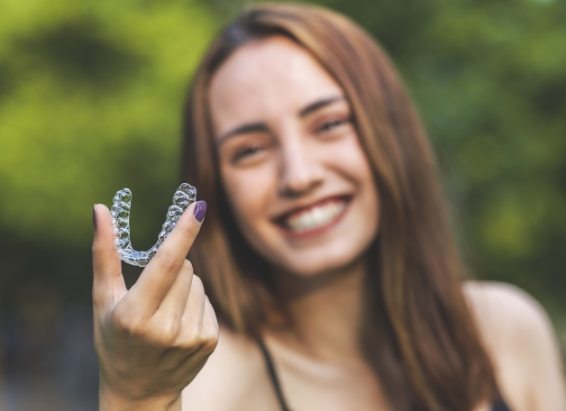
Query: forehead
pixel 267 77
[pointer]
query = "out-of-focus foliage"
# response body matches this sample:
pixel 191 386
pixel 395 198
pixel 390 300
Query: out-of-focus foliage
pixel 90 100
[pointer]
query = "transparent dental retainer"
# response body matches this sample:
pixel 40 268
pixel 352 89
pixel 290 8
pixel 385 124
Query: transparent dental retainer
pixel 121 206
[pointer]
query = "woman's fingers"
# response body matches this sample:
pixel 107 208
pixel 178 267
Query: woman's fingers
pixel 210 321
pixel 209 327
pixel 200 335
pixel 186 319
pixel 196 322
pixel 174 303
pixel 192 316
pixel 108 282
pixel 160 274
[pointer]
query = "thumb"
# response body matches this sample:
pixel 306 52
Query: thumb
pixel 108 282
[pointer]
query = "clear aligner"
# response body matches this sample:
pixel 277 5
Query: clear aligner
pixel 121 206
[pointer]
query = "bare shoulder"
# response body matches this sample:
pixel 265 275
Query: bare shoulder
pixel 504 308
pixel 521 341
pixel 230 378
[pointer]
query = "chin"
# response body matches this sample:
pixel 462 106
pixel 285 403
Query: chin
pixel 310 266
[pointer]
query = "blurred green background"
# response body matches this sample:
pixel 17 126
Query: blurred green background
pixel 91 94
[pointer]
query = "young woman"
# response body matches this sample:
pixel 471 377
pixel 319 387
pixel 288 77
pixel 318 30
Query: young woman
pixel 326 254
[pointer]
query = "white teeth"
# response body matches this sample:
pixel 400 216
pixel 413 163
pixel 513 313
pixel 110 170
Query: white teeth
pixel 315 217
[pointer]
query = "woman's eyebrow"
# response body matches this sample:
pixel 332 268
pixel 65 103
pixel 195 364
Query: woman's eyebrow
pixel 318 104
pixel 262 127
pixel 243 129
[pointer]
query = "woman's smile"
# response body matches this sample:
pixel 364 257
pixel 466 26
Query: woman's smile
pixel 315 219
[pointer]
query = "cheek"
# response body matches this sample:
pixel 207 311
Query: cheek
pixel 353 153
pixel 357 167
pixel 247 192
pixel 350 157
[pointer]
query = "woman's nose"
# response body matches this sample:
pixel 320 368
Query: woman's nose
pixel 301 171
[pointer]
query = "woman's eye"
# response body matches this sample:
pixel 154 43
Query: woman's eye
pixel 247 153
pixel 331 125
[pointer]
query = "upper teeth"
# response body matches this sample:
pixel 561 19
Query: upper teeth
pixel 315 217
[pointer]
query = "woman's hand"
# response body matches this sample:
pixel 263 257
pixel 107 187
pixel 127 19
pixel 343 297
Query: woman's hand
pixel 152 339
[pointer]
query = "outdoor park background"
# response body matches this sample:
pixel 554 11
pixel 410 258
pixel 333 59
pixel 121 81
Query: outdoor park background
pixel 91 94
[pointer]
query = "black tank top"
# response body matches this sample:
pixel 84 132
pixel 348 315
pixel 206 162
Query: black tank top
pixel 497 405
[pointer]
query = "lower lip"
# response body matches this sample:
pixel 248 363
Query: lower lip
pixel 319 230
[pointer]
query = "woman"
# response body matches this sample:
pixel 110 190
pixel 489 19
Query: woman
pixel 326 253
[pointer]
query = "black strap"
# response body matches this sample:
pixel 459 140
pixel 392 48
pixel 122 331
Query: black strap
pixel 273 375
pixel 500 405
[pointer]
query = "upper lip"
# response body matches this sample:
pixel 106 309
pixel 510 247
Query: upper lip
pixel 303 206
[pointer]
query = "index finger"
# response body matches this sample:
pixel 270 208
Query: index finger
pixel 161 272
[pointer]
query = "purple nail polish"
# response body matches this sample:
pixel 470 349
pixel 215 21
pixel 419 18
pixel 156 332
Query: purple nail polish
pixel 200 210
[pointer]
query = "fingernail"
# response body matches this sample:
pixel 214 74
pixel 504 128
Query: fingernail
pixel 200 210
pixel 94 218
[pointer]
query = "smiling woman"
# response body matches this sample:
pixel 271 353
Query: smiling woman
pixel 327 252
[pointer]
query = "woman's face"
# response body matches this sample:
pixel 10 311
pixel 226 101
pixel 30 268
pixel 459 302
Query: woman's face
pixel 298 181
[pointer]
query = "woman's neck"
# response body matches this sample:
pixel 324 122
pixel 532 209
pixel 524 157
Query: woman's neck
pixel 326 311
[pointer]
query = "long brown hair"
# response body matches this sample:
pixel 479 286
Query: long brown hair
pixel 418 334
